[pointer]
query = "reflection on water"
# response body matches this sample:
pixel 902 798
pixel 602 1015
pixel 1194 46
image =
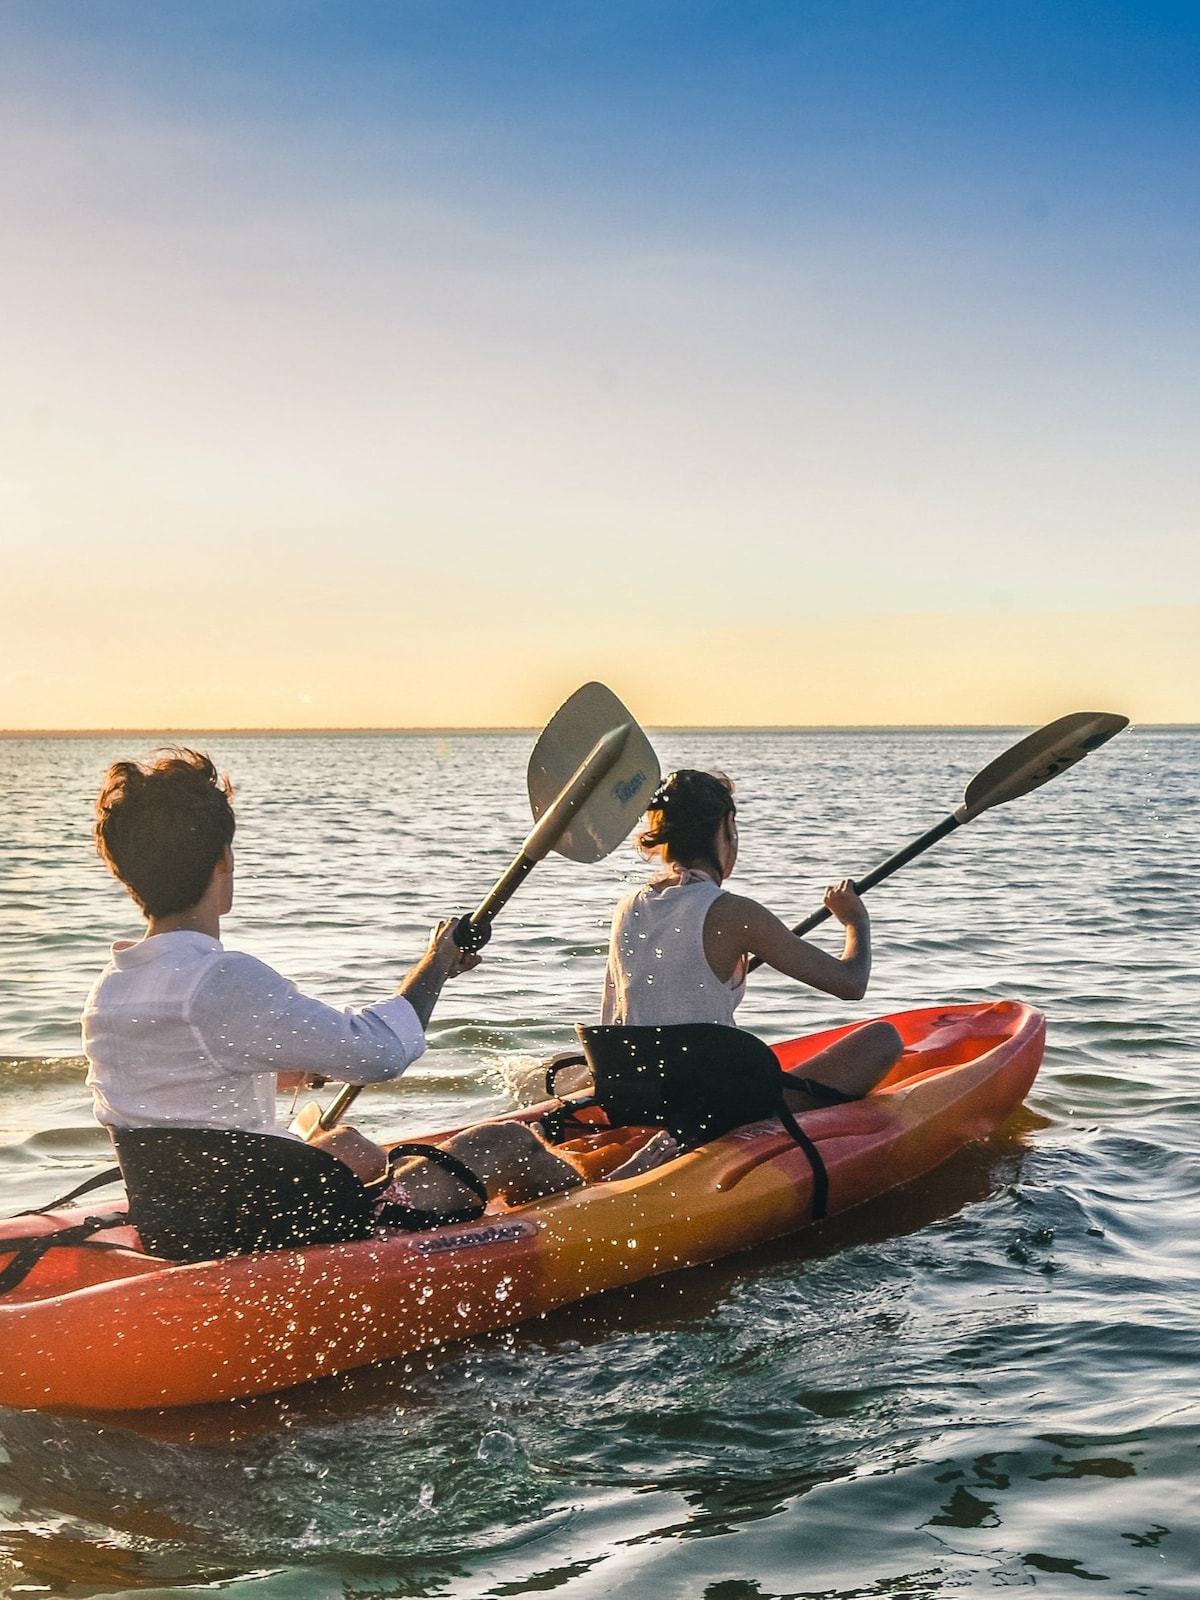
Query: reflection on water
pixel 984 1382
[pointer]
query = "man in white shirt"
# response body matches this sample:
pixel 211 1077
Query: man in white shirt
pixel 180 1032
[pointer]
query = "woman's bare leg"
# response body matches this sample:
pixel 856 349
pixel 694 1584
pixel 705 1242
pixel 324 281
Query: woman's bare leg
pixel 656 1152
pixel 854 1064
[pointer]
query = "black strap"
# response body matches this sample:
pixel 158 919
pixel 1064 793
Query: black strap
pixel 98 1180
pixel 562 1121
pixel 823 1093
pixel 31 1251
pixel 820 1195
pixel 442 1158
pixel 414 1219
pixel 553 1068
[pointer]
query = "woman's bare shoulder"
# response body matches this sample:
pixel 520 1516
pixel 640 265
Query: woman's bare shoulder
pixel 737 913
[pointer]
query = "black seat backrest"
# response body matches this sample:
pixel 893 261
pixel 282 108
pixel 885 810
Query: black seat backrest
pixel 199 1193
pixel 698 1079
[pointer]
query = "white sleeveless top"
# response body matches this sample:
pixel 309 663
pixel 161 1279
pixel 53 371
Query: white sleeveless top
pixel 658 974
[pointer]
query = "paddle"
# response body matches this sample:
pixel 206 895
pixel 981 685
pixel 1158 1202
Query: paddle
pixel 1030 763
pixel 590 775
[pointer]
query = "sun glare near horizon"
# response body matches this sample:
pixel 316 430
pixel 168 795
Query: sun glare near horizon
pixel 952 671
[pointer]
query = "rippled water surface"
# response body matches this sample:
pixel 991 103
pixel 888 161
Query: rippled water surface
pixel 988 1381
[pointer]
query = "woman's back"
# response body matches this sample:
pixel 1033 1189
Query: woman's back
pixel 663 971
pixel 658 974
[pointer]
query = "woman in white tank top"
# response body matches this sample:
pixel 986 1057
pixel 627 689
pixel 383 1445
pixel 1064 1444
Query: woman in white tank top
pixel 681 944
pixel 658 972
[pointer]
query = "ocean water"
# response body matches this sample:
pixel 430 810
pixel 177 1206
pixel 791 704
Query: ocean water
pixel 988 1381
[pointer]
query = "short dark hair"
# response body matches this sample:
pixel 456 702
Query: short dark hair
pixel 162 827
pixel 685 813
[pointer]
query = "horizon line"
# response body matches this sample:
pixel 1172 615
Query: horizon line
pixel 474 729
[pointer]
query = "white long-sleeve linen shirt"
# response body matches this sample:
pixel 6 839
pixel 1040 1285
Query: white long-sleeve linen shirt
pixel 179 1031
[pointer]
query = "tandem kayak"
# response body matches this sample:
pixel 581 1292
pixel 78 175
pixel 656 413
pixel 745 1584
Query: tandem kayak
pixel 103 1326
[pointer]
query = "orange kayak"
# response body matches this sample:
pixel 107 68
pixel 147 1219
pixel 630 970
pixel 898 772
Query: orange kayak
pixel 100 1325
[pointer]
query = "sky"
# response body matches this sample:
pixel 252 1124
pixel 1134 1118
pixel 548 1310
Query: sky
pixel 387 363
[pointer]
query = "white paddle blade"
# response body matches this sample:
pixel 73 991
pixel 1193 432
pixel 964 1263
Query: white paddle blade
pixel 1038 758
pixel 557 817
pixel 607 814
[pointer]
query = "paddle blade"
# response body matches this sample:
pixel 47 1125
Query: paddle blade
pixel 610 811
pixel 1038 758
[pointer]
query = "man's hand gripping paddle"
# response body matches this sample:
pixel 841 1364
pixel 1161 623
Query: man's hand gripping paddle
pixel 1025 767
pixel 590 775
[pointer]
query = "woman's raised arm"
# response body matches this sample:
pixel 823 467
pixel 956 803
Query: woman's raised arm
pixel 738 927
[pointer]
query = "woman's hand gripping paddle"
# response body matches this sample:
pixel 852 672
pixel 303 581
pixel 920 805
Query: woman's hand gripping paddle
pixel 1025 767
pixel 590 774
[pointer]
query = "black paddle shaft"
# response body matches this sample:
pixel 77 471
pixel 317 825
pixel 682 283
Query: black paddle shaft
pixel 1030 763
pixel 879 873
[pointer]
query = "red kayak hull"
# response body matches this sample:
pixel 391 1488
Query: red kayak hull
pixel 113 1329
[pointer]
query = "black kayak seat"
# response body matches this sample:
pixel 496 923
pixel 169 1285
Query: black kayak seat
pixel 698 1079
pixel 196 1194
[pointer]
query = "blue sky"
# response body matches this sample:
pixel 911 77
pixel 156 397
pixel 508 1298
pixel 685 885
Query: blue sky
pixel 711 320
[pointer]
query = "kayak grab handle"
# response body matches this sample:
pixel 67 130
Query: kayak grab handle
pixel 733 1175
